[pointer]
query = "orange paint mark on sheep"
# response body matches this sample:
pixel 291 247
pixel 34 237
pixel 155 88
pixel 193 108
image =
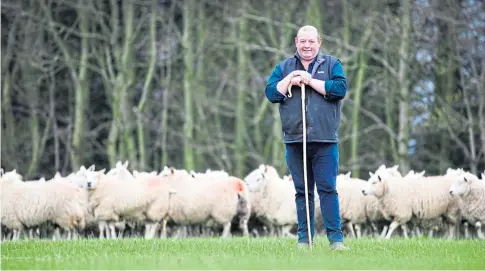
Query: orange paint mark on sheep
pixel 153 182
pixel 239 186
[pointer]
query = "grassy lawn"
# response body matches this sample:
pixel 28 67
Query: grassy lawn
pixel 240 253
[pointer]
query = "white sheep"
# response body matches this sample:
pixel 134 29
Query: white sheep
pixel 425 198
pixel 8 217
pixel 113 200
pixel 471 194
pixel 356 209
pixel 35 203
pixel 272 199
pixel 203 201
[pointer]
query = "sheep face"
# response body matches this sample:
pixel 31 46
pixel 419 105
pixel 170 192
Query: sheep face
pixel 167 171
pixel 92 179
pixel 460 186
pixel 254 180
pixel 374 186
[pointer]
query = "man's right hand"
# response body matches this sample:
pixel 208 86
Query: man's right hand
pixel 296 81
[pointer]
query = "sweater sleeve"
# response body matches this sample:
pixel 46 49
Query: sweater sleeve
pixel 272 93
pixel 336 87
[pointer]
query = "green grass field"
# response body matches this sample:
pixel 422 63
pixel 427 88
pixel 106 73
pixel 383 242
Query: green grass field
pixel 241 253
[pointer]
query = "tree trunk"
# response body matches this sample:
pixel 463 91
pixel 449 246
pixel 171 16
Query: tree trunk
pixel 240 148
pixel 146 88
pixel 127 78
pixel 81 96
pixel 188 55
pixel 354 158
pixel 404 56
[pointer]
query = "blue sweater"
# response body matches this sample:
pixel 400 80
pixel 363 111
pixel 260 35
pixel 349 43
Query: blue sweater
pixel 336 88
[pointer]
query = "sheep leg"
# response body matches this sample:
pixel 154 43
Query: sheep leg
pixel 350 226
pixel 243 225
pixel 121 229
pixel 286 231
pixel 358 231
pixel 375 230
pixel 69 234
pixel 16 234
pixel 57 234
pixel 111 226
pixel 271 230
pixel 227 230
pixel 163 232
pixel 155 228
pixel 430 234
pixel 465 228
pixel 404 230
pixel 101 225
pixel 417 231
pixel 9 236
pixel 451 232
pixel 180 231
pixel 478 226
pixel 384 231
pixel 392 227
pixel 148 227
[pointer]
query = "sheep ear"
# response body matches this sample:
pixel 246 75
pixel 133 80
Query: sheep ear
pixel 91 168
pixel 348 174
pixel 172 170
pixel 125 165
pixel 371 174
pixel 2 172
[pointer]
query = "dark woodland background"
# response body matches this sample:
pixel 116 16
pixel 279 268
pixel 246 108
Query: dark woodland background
pixel 181 83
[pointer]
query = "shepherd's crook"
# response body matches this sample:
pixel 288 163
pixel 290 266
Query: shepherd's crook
pixel 303 111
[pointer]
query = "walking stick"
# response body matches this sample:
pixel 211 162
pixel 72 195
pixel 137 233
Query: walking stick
pixel 303 113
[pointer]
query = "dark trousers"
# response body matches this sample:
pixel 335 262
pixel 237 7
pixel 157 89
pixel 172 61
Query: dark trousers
pixel 322 170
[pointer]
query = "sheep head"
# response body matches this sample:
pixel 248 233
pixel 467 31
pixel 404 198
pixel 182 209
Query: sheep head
pixel 374 185
pixel 461 183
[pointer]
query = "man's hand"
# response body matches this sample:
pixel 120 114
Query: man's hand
pixel 305 76
pixel 296 81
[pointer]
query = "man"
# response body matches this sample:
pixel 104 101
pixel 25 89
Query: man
pixel 325 87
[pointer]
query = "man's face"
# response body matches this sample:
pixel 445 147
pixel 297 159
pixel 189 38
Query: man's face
pixel 307 44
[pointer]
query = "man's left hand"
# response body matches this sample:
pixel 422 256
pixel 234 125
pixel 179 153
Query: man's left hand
pixel 305 76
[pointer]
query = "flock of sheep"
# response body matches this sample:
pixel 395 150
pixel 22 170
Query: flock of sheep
pixel 175 203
